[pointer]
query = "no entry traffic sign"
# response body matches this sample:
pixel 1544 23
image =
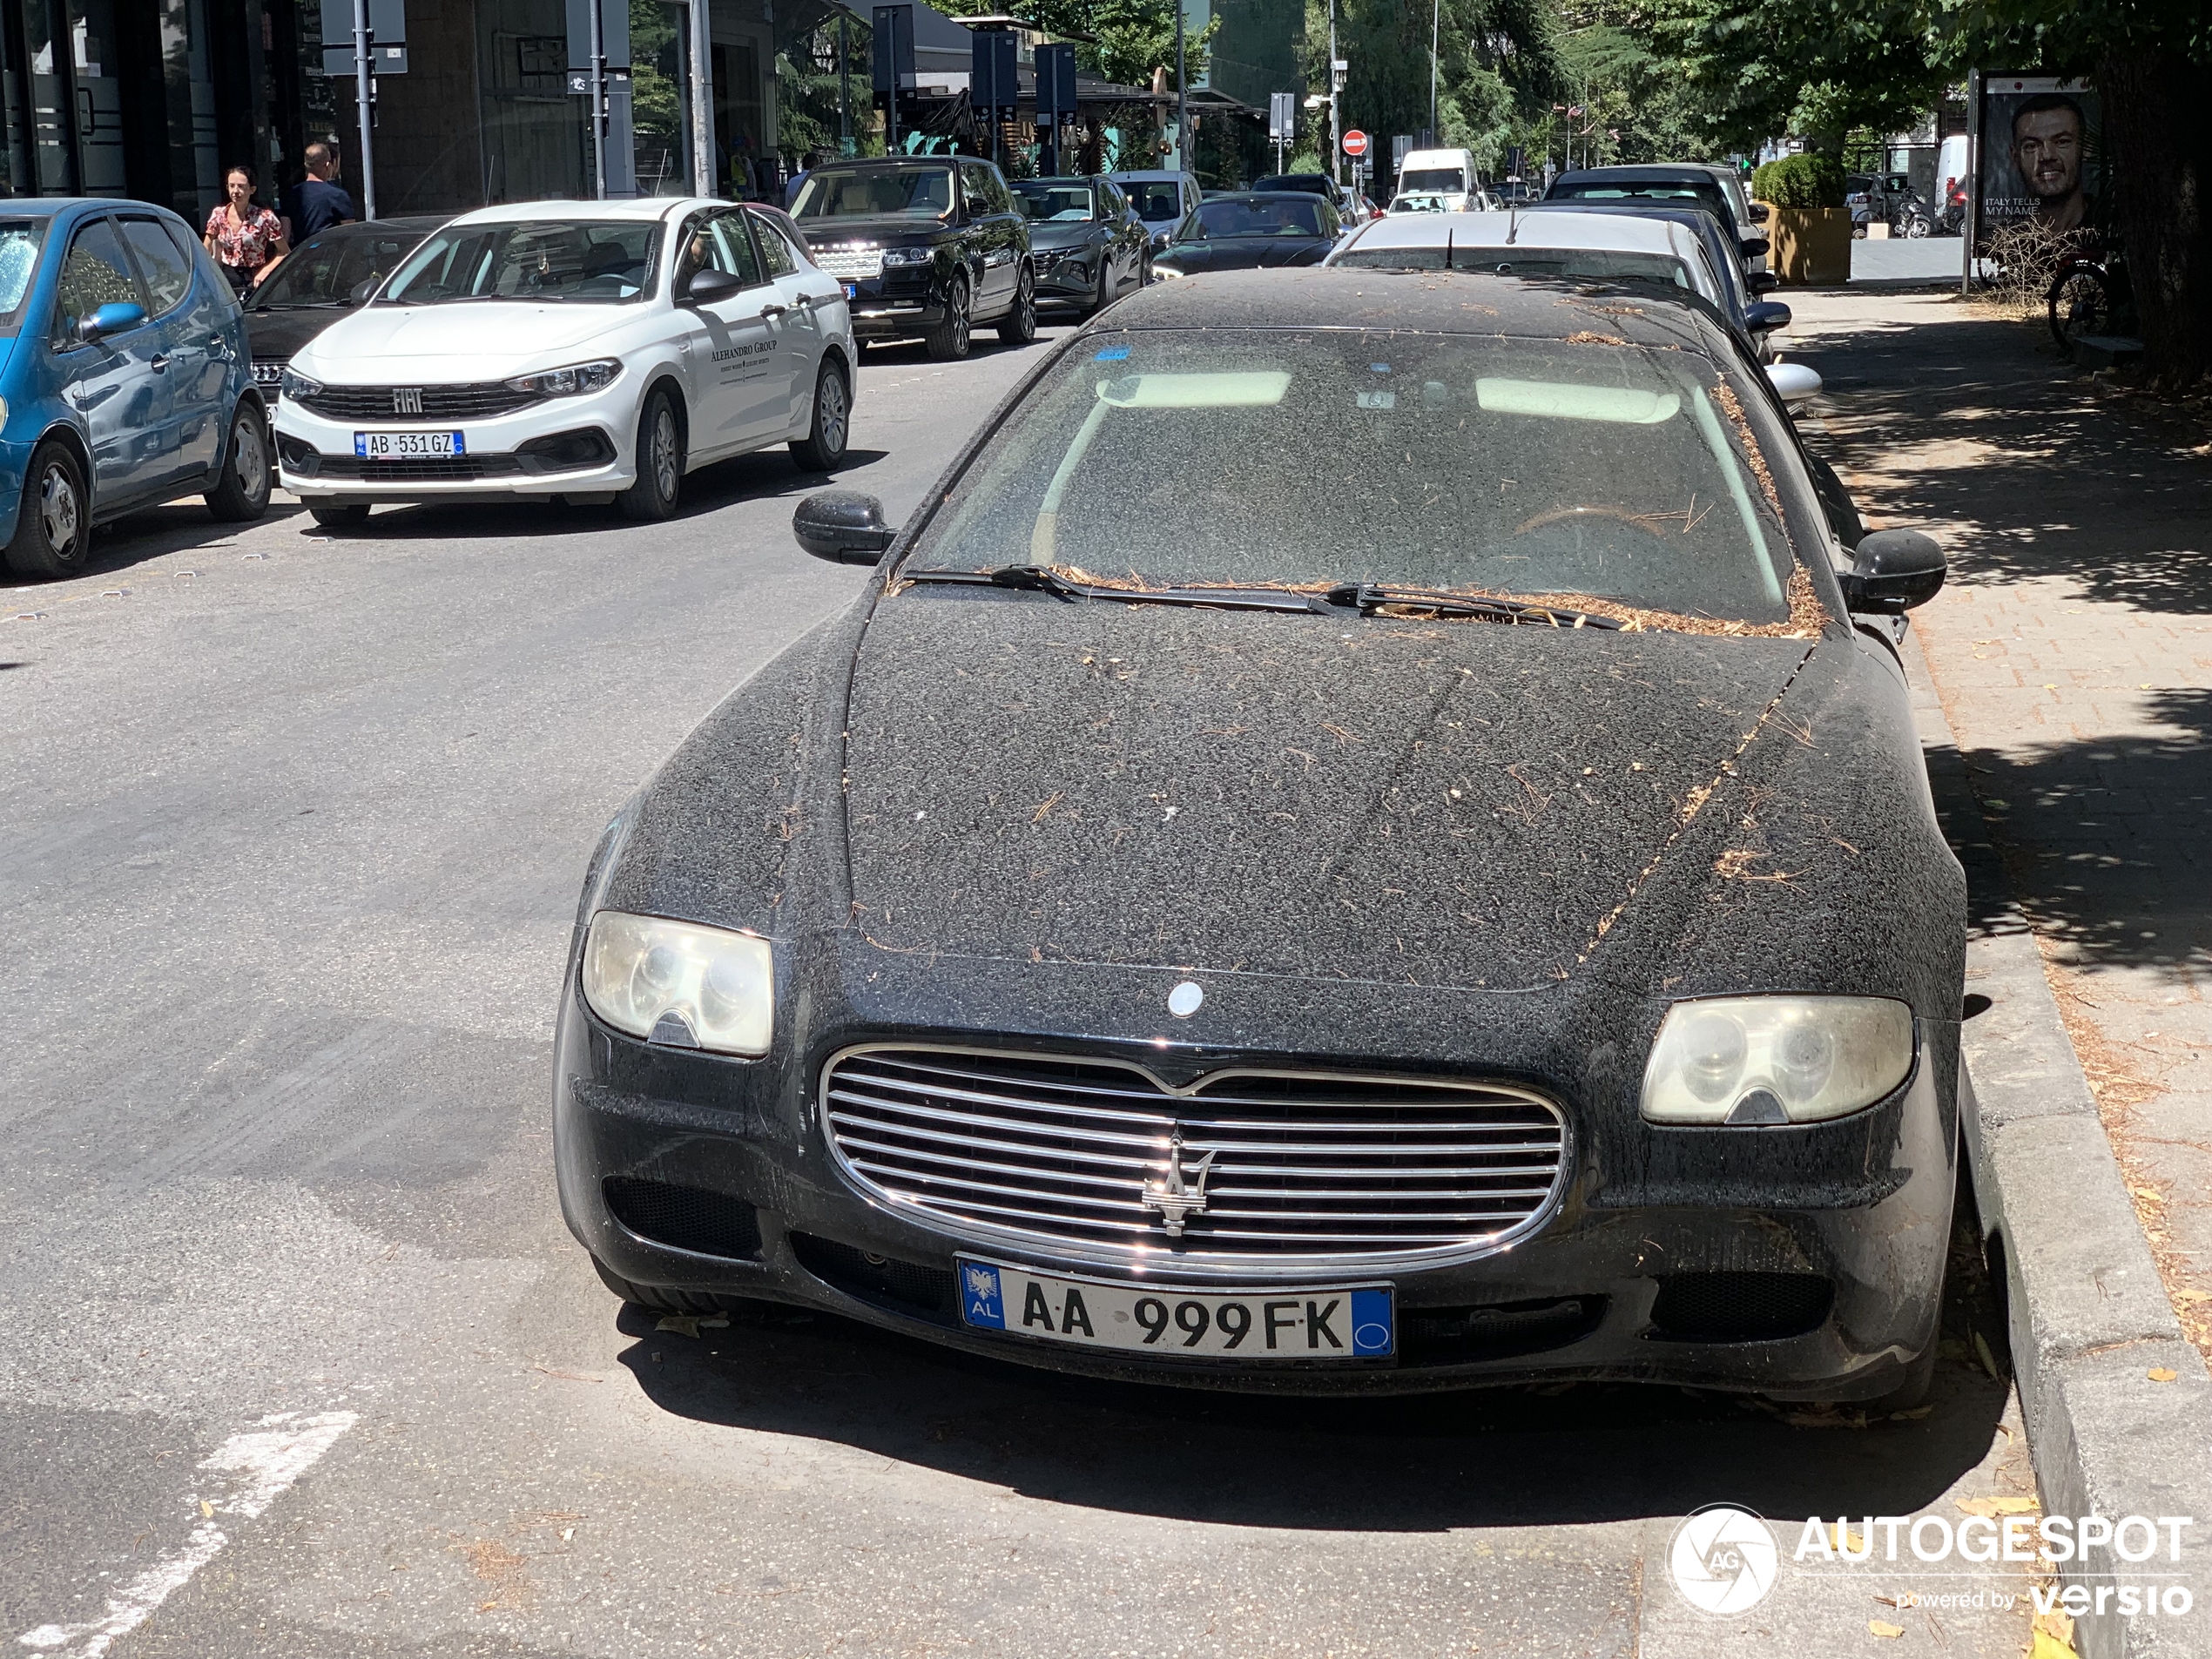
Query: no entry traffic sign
pixel 1355 143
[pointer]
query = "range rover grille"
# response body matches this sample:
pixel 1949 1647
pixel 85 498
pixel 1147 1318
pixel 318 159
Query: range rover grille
pixel 1276 1167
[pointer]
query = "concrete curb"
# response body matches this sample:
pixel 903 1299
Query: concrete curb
pixel 2087 1317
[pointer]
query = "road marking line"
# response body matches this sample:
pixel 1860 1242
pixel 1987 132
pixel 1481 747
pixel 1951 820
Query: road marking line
pixel 266 1462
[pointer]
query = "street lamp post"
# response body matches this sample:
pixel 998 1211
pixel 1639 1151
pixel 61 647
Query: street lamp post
pixel 1435 32
pixel 1336 128
pixel 1182 102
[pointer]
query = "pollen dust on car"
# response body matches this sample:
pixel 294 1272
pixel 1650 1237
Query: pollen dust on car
pixel 1692 805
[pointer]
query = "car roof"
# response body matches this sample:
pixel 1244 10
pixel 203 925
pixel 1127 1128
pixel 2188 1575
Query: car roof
pixel 1614 233
pixel 642 207
pixel 55 207
pixel 1670 172
pixel 1147 175
pixel 1451 302
pixel 411 224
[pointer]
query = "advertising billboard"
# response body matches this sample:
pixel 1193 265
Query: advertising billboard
pixel 2040 154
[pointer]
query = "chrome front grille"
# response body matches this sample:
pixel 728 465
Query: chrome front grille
pixel 1074 1152
pixel 851 263
pixel 401 403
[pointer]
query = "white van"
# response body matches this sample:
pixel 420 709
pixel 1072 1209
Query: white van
pixel 1447 173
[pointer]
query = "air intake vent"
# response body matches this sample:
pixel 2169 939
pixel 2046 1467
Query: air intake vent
pixel 902 1286
pixel 1739 1307
pixel 708 1223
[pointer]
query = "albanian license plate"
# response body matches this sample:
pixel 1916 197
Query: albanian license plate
pixel 408 446
pixel 852 291
pixel 1344 1322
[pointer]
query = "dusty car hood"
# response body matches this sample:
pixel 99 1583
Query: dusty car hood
pixel 470 335
pixel 1246 253
pixel 1418 804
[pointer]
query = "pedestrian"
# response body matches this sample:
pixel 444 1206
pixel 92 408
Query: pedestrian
pixel 318 201
pixel 246 238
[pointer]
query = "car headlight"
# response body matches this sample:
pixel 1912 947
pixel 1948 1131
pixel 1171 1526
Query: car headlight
pixel 567 382
pixel 1776 1059
pixel 292 383
pixel 908 255
pixel 1164 270
pixel 718 986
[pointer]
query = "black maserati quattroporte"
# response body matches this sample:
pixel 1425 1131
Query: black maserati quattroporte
pixel 1187 920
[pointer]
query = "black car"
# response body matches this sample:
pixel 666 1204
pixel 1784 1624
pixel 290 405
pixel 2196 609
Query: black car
pixel 1500 932
pixel 1087 244
pixel 926 245
pixel 318 282
pixel 1251 229
pixel 1310 184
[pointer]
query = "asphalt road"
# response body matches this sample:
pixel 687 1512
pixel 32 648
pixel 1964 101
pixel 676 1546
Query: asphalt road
pixel 296 1356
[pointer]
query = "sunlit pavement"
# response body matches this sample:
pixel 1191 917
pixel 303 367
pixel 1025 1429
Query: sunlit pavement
pixel 298 1359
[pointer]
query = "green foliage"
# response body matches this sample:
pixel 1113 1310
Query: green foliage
pixel 1632 98
pixel 655 101
pixel 1799 181
pixel 1132 37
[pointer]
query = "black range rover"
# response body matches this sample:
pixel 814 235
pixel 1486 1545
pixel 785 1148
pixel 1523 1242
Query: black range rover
pixel 926 245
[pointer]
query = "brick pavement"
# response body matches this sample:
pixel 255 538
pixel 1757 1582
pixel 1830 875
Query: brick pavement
pixel 2073 651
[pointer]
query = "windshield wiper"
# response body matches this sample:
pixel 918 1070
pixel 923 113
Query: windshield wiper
pixel 1042 578
pixel 1367 598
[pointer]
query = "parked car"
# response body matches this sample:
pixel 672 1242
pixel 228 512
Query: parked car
pixel 1558 245
pixel 126 381
pixel 1741 296
pixel 1251 229
pixel 1088 247
pixel 1313 184
pixel 1163 199
pixel 925 245
pixel 1749 215
pixel 1667 184
pixel 1387 993
pixel 588 351
pixel 332 273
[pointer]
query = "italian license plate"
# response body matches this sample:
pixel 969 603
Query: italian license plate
pixel 1342 1322
pixel 408 446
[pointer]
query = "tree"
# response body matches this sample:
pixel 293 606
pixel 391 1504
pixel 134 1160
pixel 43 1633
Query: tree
pixel 1130 38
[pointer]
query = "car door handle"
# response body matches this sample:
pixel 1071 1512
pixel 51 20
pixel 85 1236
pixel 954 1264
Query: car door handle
pixel 159 361
pixel 769 313
pixel 802 302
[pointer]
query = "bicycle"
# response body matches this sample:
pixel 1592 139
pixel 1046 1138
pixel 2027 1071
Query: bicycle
pixel 2090 296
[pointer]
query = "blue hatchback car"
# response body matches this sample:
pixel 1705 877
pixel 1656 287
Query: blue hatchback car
pixel 125 379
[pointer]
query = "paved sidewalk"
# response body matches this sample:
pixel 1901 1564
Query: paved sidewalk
pixel 2073 651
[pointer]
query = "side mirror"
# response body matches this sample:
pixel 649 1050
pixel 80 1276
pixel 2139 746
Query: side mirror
pixel 1755 245
pixel 1793 382
pixel 363 290
pixel 1761 281
pixel 116 317
pixel 1893 571
pixel 1762 316
pixel 708 286
pixel 1758 212
pixel 843 526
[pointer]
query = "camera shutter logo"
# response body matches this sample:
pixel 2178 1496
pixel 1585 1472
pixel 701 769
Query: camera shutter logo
pixel 1724 1559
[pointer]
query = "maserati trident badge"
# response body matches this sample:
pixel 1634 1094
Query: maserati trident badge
pixel 1183 1193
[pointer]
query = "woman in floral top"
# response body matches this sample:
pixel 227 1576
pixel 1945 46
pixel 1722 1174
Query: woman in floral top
pixel 246 238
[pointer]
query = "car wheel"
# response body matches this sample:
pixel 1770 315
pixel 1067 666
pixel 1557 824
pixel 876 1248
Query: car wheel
pixel 950 339
pixel 55 529
pixel 242 491
pixel 1103 296
pixel 1019 326
pixel 340 516
pixel 823 448
pixel 1144 277
pixel 660 461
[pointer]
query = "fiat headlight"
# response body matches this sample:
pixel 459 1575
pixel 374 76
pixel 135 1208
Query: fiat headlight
pixel 567 382
pixel 293 384
pixel 713 986
pixel 1776 1059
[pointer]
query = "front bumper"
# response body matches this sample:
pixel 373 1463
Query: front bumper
pixel 897 304
pixel 1066 282
pixel 733 1150
pixel 583 446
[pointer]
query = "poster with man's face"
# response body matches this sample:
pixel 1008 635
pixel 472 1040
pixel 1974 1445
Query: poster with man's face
pixel 2041 155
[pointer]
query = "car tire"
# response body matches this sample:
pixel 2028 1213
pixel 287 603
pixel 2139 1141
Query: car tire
pixel 949 340
pixel 667 1298
pixel 1019 326
pixel 340 516
pixel 241 492
pixel 660 461
pixel 54 528
pixel 1104 294
pixel 1145 276
pixel 823 448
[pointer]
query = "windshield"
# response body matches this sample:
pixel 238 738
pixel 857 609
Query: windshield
pixel 325 270
pixel 1313 183
pixel 20 240
pixel 1585 264
pixel 875 192
pixel 1576 470
pixel 1231 217
pixel 1156 199
pixel 1450 180
pixel 578 261
pixel 1062 204
pixel 1706 194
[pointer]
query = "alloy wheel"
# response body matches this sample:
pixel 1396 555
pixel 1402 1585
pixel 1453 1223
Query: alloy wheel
pixel 830 413
pixel 963 330
pixel 58 513
pixel 250 458
pixel 664 451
